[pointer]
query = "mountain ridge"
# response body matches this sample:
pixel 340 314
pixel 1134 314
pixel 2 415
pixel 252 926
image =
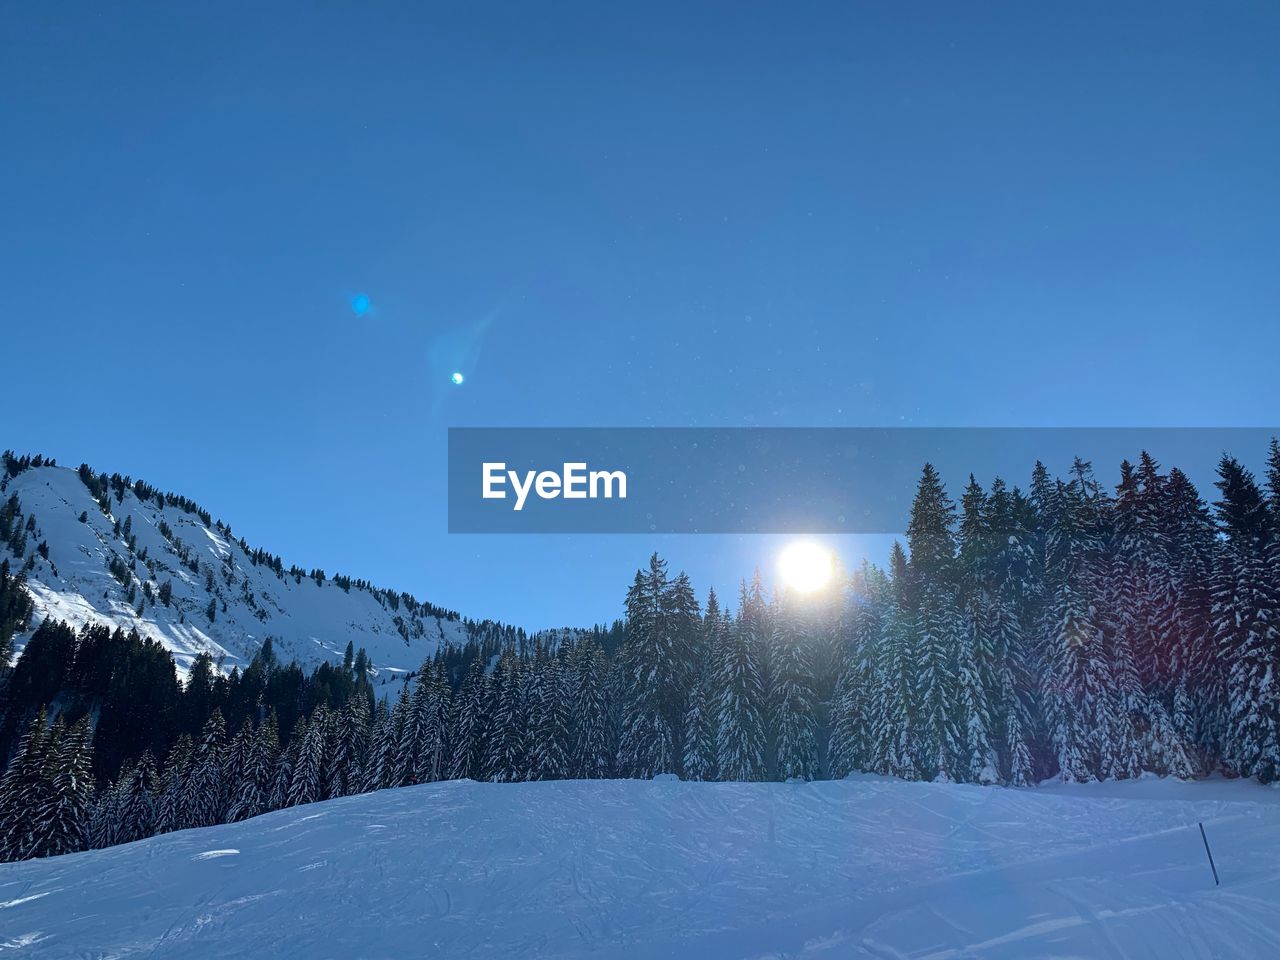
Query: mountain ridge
pixel 99 548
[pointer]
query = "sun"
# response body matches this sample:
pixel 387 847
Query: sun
pixel 806 566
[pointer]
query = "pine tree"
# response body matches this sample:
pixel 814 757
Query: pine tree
pixel 650 669
pixel 548 720
pixel 253 791
pixel 1246 613
pixel 740 746
pixel 930 603
pixel 850 737
pixel 1013 723
pixel 379 771
pixel 24 789
pixel 15 609
pixel 699 761
pixel 171 810
pixel 1167 746
pixel 1139 618
pixel 792 701
pixel 1078 688
pixel 59 824
pixel 205 802
pixel 700 721
pixel 307 783
pixel 104 815
pixel 980 562
pixel 1248 618
pixel 1200 676
pixel 282 783
pixel 507 756
pixel 935 635
pixel 851 742
pixel 590 719
pixel 1242 511
pixel 1019 768
pixel 344 772
pixel 893 707
pixel 137 801
pixel 1080 697
pixel 683 620
pixel 236 760
pixel 976 759
pixel 929 536
pixel 423 746
pixel 467 738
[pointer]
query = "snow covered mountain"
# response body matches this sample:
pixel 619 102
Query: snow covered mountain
pixel 625 868
pixel 109 550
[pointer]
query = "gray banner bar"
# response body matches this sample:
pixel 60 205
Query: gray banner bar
pixel 778 480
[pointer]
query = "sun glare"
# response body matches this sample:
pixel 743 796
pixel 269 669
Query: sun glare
pixel 806 566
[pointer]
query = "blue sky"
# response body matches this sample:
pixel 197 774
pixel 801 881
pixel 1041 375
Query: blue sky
pixel 808 214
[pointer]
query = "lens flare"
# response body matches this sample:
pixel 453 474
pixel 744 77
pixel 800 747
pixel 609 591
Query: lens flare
pixel 806 566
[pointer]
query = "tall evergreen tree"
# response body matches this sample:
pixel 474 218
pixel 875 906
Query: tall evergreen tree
pixel 851 720
pixel 792 702
pixel 590 719
pixel 380 767
pixel 423 744
pixel 893 698
pixel 651 672
pixel 549 719
pixel 976 758
pixel 59 823
pixel 286 767
pixel 252 793
pixel 345 770
pixel 171 805
pixel 205 801
pixel 740 746
pixel 24 789
pixel 470 715
pixel 507 754
pixel 929 529
pixel 307 782
pixel 1246 613
pixel 137 801
pixel 699 762
pixel 935 635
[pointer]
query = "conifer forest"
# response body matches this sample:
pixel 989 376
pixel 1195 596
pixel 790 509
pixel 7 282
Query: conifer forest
pixel 1068 629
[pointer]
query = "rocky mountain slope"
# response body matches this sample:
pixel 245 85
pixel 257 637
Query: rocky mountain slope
pixel 116 551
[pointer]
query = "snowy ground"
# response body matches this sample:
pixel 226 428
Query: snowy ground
pixel 861 868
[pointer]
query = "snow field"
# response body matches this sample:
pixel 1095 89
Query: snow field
pixel 864 867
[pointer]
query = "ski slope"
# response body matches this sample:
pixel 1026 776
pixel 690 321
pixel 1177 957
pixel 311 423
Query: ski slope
pixel 857 868
pixel 308 621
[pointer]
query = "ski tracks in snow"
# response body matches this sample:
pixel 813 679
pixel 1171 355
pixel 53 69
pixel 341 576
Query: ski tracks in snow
pixel 627 869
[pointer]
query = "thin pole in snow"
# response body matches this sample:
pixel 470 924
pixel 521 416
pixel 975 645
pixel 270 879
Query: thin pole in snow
pixel 1210 853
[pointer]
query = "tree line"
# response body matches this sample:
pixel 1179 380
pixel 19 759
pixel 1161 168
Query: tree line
pixel 1065 631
